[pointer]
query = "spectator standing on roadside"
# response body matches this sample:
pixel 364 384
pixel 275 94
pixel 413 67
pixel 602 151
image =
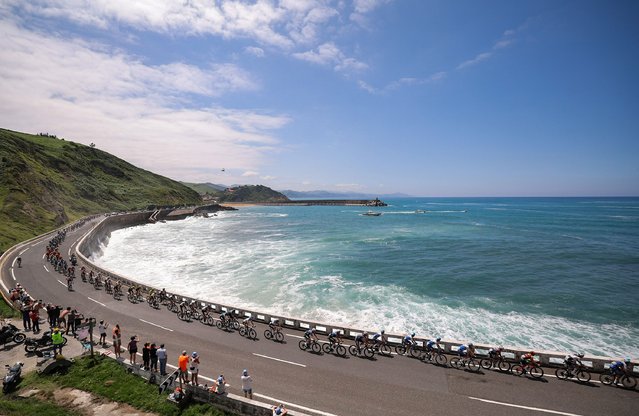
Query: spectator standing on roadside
pixel 153 355
pixel 57 340
pixel 35 319
pixel 50 310
pixel 62 319
pixel 247 384
pixel 195 368
pixel 71 321
pixel 133 349
pixel 146 357
pixel 183 362
pixel 102 327
pixel 26 320
pixel 56 314
pixel 162 356
pixel 117 340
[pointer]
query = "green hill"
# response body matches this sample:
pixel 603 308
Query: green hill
pixel 251 193
pixel 206 188
pixel 46 182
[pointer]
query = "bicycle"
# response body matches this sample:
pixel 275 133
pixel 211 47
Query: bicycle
pixel 361 351
pixel 497 362
pixel 172 305
pixel 531 368
pixel 334 347
pixel 469 363
pixel 275 335
pixel 248 331
pixel 207 319
pixel 381 348
pixel 227 324
pixel 312 345
pixel 435 356
pixel 117 293
pixel 184 315
pixel 577 371
pixel 412 350
pixel 627 381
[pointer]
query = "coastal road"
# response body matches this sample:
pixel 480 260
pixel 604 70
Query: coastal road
pixel 317 384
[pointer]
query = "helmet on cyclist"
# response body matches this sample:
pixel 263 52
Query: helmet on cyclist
pixel 580 354
pixel 381 332
pixel 500 348
pixel 627 360
pixel 412 334
pixel 313 330
pixel 532 352
pixel 438 339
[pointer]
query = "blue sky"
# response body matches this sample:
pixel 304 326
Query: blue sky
pixel 428 98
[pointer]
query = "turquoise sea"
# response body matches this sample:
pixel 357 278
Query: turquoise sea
pixel 546 273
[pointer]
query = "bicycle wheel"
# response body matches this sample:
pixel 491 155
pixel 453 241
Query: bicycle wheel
pixel 400 349
pixel 353 350
pixel 628 382
pixel 561 373
pixel 503 365
pixel 242 331
pixel 326 348
pixel 606 378
pixel 384 350
pixel 316 347
pixel 252 334
pixel 440 359
pixel 518 370
pixel 236 325
pixel 341 351
pixel 218 324
pixel 302 345
pixel 368 353
pixel 455 362
pixel 536 372
pixel 279 337
pixel 486 363
pixel 583 376
pixel 268 334
pixel 415 353
pixel 210 321
pixel 473 365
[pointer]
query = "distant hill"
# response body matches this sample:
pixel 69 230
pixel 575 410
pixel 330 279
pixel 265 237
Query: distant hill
pixel 206 188
pixel 251 193
pixel 338 195
pixel 46 182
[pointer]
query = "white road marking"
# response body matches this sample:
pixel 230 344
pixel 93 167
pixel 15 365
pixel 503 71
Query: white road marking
pixel 6 289
pixel 35 244
pixel 294 336
pixel 24 251
pixel 307 409
pixel 99 303
pixel 159 326
pixel 62 283
pixel 537 409
pixel 44 255
pixel 278 359
pixel 45 268
pixel 69 251
pixel 13 263
pixel 13 275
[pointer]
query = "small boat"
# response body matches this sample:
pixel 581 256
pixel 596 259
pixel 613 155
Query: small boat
pixel 372 214
pixel 420 211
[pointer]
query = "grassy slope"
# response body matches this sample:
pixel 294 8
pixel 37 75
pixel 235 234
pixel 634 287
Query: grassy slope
pixel 108 379
pixel 203 188
pixel 46 182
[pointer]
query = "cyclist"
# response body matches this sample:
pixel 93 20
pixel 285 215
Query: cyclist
pixel 184 307
pixel 19 262
pixel 107 284
pixel 163 294
pixel 528 358
pixel 248 322
pixel 361 338
pixel 431 345
pixel 275 325
pixel 335 337
pixel 83 274
pixel 138 292
pixel 223 318
pixel 619 368
pixel 310 336
pixel 462 350
pixel 572 362
pixel 379 338
pixel 409 340
pixel 118 287
pixel 471 350
pixel 495 353
pixel 70 283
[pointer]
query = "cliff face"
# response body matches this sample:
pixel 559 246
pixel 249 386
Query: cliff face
pixel 45 182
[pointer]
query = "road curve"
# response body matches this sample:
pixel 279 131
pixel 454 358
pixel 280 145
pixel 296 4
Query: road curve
pixel 317 384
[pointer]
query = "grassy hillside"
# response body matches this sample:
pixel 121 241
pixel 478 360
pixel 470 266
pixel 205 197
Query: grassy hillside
pixel 205 188
pixel 252 193
pixel 46 182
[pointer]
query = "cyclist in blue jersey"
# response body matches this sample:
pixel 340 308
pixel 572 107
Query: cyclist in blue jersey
pixel 462 350
pixel 361 338
pixel 431 345
pixel 379 338
pixel 619 368
pixel 335 337
pixel 310 335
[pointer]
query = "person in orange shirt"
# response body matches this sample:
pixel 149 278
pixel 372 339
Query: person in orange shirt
pixel 183 362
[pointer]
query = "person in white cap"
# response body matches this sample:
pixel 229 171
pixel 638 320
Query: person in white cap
pixel 195 367
pixel 247 384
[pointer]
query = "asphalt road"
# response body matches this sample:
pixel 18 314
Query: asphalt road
pixel 319 384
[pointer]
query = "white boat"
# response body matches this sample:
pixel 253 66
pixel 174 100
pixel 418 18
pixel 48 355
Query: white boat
pixel 420 211
pixel 372 214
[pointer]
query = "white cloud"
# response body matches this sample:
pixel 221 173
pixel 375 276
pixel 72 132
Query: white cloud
pixel 268 178
pixel 144 113
pixel 474 61
pixel 255 51
pixel 329 54
pixel 362 7
pixel 250 173
pixel 403 82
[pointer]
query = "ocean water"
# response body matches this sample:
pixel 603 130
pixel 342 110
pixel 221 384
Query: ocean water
pixel 555 274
